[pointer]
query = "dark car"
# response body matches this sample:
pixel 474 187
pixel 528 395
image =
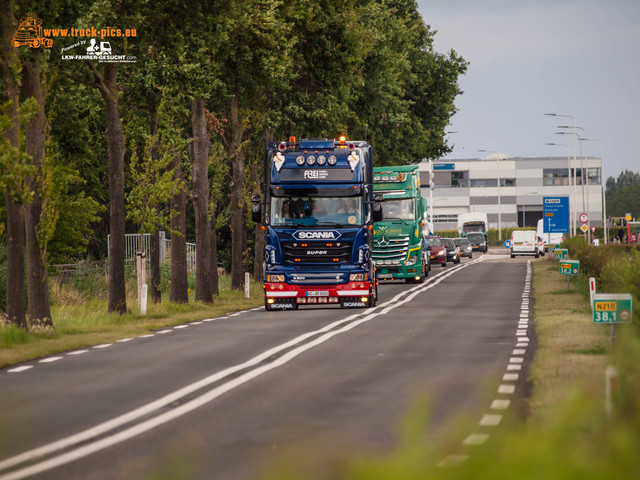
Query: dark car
pixel 477 241
pixel 453 254
pixel 437 252
pixel 464 246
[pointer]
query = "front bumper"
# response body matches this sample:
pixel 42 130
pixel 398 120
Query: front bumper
pixel 348 293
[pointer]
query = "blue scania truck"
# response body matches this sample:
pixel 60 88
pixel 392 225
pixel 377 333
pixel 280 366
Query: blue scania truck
pixel 317 210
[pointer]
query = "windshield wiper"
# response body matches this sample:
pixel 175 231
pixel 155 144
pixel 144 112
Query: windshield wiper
pixel 400 219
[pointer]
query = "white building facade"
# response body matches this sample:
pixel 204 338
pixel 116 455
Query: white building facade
pixel 510 189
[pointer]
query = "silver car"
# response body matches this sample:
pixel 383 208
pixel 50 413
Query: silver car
pixel 466 250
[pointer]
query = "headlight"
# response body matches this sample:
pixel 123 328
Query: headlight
pixel 441 253
pixel 357 277
pixel 411 260
pixel 275 278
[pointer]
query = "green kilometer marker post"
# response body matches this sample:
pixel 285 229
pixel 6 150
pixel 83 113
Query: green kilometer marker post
pixel 612 308
pixel 569 267
pixel 560 253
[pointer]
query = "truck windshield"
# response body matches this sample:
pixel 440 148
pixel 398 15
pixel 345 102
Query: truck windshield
pixel 336 211
pixel 473 227
pixel 398 209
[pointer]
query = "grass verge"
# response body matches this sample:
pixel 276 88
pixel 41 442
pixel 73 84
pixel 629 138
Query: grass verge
pixel 79 322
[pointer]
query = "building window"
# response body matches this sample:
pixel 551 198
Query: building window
pixel 483 182
pixel 555 176
pixel 460 179
pixel 445 218
pixel 507 182
pixel 594 175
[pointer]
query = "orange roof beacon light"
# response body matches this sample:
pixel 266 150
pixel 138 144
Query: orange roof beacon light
pixel 342 139
pixel 292 139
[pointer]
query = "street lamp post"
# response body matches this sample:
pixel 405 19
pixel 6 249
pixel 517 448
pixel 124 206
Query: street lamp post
pixel 571 225
pixel 574 160
pixel 604 198
pixel 499 202
pixel 583 173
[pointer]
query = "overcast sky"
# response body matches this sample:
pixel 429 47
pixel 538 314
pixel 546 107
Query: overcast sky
pixel 530 57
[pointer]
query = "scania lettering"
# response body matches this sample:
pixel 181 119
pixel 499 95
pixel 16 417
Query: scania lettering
pixel 398 250
pixel 317 211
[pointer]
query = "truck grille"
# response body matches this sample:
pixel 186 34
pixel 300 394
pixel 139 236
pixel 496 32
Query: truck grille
pixel 334 253
pixel 385 248
pixel 317 278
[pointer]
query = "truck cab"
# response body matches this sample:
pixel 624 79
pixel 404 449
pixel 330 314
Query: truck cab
pixel 398 250
pixel 318 221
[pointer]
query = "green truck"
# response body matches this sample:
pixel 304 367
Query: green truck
pixel 398 249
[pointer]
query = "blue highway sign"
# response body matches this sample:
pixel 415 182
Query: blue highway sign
pixel 444 166
pixel 555 212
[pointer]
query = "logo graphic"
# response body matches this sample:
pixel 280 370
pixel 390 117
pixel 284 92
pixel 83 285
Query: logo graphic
pixel 316 235
pixel 30 33
pixel 98 50
pixel 383 241
pixel 354 304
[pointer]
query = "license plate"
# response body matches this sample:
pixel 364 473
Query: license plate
pixel 318 293
pixel 518 243
pixel 385 275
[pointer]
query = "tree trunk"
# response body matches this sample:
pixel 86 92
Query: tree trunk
pixel 200 198
pixel 154 266
pixel 38 311
pixel 108 87
pixel 258 254
pixel 213 238
pixel 178 291
pixel 15 216
pixel 237 185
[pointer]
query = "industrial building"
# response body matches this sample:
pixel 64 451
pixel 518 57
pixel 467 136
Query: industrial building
pixel 510 189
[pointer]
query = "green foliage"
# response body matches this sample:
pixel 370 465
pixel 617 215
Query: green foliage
pixel 153 185
pixel 624 200
pixel 15 164
pixel 67 214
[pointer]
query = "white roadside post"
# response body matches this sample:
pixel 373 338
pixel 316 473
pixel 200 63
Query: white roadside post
pixel 143 299
pixel 247 286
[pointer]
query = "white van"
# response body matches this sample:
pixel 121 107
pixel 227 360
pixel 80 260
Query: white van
pixel 524 242
pixel 549 238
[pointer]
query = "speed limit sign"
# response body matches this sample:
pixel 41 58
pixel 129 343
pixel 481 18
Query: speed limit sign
pixel 584 218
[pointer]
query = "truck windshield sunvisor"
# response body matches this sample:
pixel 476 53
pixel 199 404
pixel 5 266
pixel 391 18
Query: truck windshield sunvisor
pixel 351 191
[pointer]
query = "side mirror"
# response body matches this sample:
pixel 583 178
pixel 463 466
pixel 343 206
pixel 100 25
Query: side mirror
pixel 378 197
pixel 256 213
pixel 256 210
pixel 376 212
pixel 429 248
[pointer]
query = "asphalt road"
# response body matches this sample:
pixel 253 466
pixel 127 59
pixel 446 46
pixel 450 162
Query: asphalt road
pixel 213 399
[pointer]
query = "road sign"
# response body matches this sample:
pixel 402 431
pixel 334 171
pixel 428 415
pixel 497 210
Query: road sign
pixel 507 244
pixel 584 228
pixel 444 166
pixel 627 217
pixel 555 212
pixel 570 267
pixel 612 308
pixel 584 218
pixel 593 229
pixel 560 253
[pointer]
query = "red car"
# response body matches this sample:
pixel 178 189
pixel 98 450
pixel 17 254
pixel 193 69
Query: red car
pixel 437 251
